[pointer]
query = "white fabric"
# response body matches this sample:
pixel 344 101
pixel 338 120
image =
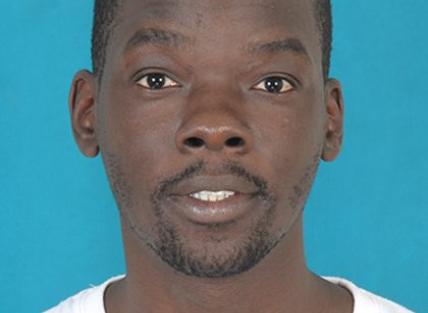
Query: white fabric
pixel 367 302
pixel 91 300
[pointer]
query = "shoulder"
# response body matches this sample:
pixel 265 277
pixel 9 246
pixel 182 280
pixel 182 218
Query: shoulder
pixel 367 302
pixel 90 300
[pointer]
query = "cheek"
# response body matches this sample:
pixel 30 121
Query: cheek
pixel 140 137
pixel 290 141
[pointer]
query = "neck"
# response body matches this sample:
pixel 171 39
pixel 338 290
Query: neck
pixel 281 282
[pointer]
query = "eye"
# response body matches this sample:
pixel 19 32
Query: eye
pixel 274 84
pixel 155 81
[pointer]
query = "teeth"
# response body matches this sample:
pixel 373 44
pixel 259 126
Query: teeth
pixel 212 196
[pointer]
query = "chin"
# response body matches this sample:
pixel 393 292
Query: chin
pixel 214 253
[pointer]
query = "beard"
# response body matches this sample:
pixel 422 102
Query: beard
pixel 214 258
pixel 211 257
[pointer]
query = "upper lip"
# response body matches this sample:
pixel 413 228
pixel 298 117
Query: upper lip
pixel 214 183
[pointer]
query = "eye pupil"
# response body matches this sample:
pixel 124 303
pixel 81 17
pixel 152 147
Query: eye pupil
pixel 155 80
pixel 274 84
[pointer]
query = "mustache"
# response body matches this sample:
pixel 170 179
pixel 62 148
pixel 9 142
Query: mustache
pixel 229 168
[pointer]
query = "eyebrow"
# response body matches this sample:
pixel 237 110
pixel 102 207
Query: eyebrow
pixel 284 45
pixel 156 36
pixel 162 37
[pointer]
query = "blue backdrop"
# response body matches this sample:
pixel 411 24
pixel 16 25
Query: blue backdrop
pixel 367 218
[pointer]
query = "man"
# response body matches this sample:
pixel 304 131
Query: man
pixel 211 118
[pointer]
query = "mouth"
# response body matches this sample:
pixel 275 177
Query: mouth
pixel 213 207
pixel 212 196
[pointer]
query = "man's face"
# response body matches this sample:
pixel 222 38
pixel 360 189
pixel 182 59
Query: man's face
pixel 199 97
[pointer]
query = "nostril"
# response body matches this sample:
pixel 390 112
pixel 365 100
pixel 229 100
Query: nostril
pixel 194 142
pixel 235 142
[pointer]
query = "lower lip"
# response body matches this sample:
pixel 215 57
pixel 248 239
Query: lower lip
pixel 206 212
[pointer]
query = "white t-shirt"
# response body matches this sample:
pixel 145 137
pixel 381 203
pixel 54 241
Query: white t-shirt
pixel 91 300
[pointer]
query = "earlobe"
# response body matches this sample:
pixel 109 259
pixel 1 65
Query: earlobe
pixel 82 111
pixel 334 127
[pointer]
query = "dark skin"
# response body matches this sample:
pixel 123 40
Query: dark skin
pixel 207 91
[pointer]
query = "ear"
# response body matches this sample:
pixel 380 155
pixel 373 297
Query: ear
pixel 82 111
pixel 334 128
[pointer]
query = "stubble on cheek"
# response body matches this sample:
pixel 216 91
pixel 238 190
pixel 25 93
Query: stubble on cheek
pixel 299 194
pixel 127 204
pixel 118 183
pixel 301 190
pixel 122 191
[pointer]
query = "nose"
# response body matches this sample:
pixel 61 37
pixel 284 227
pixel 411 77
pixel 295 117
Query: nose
pixel 214 131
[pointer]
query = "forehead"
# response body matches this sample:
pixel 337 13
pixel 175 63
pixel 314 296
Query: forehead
pixel 230 15
pixel 205 13
pixel 266 9
pixel 222 23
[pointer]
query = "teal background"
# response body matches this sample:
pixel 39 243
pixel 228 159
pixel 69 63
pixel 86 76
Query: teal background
pixel 366 219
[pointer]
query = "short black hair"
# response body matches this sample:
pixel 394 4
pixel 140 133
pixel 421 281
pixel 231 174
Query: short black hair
pixel 324 19
pixel 105 12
